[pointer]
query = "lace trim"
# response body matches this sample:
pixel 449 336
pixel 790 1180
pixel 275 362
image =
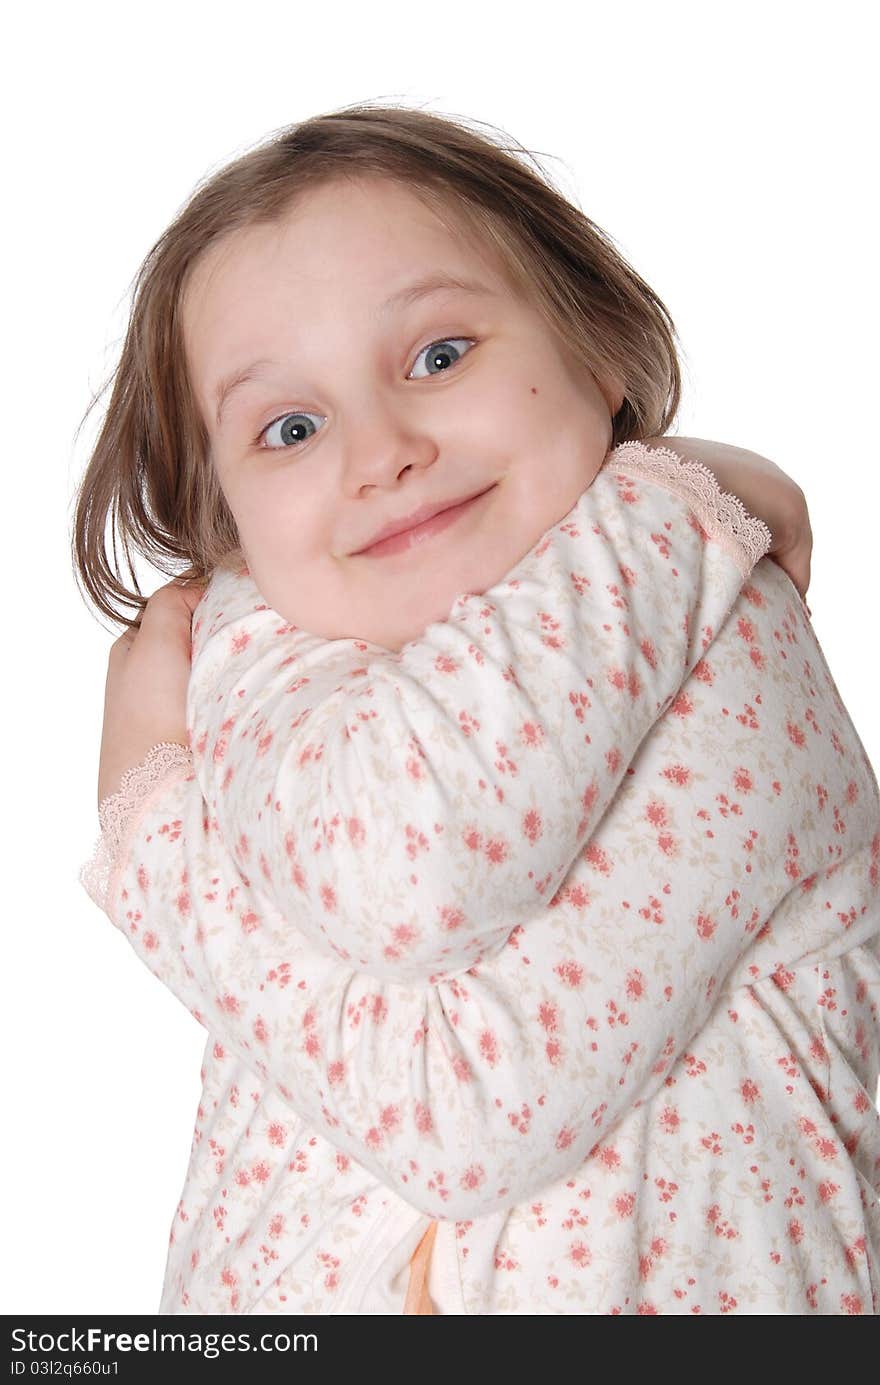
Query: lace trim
pixel 723 516
pixel 118 810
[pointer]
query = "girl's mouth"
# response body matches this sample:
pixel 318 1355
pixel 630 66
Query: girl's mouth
pixel 420 533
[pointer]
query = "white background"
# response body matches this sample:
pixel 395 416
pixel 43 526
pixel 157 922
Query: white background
pixel 726 151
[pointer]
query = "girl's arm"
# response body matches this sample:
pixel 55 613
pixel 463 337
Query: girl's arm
pixel 406 811
pixel 475 1093
pixel 471 1092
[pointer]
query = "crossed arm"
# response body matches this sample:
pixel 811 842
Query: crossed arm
pixel 367 885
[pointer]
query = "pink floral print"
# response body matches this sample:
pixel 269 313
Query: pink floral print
pixel 559 927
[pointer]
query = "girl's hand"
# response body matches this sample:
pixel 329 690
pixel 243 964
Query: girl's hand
pixel 147 680
pixel 766 491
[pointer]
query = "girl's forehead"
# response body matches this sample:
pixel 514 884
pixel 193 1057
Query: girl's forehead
pixel 377 232
pixel 233 284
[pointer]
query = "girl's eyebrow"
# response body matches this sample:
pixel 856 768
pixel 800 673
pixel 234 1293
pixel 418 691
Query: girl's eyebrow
pixel 438 282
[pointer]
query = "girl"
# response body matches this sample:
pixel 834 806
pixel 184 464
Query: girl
pixel 340 1049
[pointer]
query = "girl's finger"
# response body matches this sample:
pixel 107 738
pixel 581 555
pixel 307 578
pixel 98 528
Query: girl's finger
pixel 170 601
pixel 192 592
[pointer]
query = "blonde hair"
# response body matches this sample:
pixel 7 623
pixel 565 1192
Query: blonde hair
pixel 151 467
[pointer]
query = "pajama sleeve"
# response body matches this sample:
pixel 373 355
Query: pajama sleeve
pixel 470 1092
pixel 406 811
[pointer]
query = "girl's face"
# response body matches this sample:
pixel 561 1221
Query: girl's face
pixel 348 423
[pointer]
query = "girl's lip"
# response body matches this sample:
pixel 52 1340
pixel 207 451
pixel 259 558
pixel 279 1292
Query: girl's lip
pixel 410 538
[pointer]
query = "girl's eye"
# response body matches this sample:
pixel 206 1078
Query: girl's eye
pixel 293 430
pixel 294 426
pixel 441 351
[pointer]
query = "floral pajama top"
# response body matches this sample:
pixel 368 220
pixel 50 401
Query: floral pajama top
pixel 559 928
